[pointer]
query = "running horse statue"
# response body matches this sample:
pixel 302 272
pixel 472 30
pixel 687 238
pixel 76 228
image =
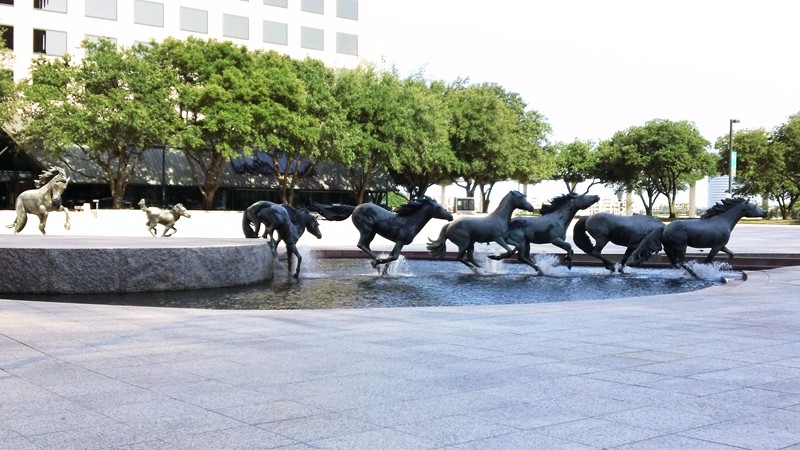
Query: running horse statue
pixel 712 230
pixel 466 231
pixel 40 201
pixel 166 217
pixel 289 222
pixel 625 231
pixel 400 228
pixel 550 227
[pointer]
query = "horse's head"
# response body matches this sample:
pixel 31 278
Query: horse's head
pixel 585 201
pixel 437 211
pixel 180 210
pixel 518 200
pixel 310 223
pixel 753 210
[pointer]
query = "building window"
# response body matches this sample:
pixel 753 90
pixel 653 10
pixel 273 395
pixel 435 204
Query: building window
pixel 7 35
pixel 194 20
pixel 7 2
pixel 102 9
pixel 347 44
pixel 276 33
pixel 347 9
pixel 313 6
pixel 96 39
pixel 49 42
pixel 51 5
pixel 148 13
pixel 278 3
pixel 235 26
pixel 312 38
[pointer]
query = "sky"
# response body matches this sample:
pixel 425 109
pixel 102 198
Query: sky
pixel 594 67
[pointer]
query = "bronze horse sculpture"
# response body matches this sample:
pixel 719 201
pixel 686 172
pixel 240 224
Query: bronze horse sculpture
pixel 156 216
pixel 625 231
pixel 712 230
pixel 40 201
pixel 400 228
pixel 466 231
pixel 289 222
pixel 550 227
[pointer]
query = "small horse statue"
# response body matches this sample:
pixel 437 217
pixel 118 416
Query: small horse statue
pixel 466 231
pixel 290 223
pixel 550 227
pixel 40 201
pixel 625 231
pixel 712 230
pixel 401 228
pixel 167 218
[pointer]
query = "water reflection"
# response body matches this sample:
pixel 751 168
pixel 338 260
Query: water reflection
pixel 352 283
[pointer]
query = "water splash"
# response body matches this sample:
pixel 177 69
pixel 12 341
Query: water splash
pixel 550 265
pixel 398 267
pixel 716 270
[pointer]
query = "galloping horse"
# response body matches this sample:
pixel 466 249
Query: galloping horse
pixel 400 228
pixel 40 201
pixel 466 231
pixel 550 227
pixel 167 217
pixel 290 223
pixel 626 231
pixel 713 231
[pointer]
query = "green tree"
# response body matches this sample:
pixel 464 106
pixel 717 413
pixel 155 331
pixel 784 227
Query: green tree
pixel 767 163
pixel 663 157
pixel 576 162
pixel 494 137
pixel 8 89
pixel 111 107
pixel 211 95
pixel 422 156
pixel 310 137
pixel 373 124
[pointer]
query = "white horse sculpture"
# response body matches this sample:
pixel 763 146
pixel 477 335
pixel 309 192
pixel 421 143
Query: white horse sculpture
pixel 167 217
pixel 40 201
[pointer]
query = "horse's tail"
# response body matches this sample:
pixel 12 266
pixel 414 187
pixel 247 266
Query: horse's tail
pixel 650 244
pixel 332 212
pixel 438 248
pixel 247 227
pixel 580 237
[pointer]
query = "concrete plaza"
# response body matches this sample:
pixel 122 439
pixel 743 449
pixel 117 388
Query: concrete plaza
pixel 712 369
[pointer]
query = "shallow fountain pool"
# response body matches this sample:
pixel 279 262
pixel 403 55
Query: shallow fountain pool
pixel 352 283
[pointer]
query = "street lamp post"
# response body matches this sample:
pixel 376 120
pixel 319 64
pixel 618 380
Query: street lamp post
pixel 730 157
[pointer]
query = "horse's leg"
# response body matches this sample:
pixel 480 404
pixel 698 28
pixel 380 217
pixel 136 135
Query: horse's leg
pixel 365 238
pixel 691 272
pixel 714 250
pixel 67 224
pixel 562 244
pixel 42 214
pixel 291 249
pixel 462 251
pixel 524 256
pixel 392 257
pixel 509 249
pixel 628 252
pixel 600 243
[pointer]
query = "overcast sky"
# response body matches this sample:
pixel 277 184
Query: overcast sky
pixel 594 67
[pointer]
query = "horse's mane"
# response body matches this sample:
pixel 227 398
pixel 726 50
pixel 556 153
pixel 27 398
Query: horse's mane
pixel 49 174
pixel 724 205
pixel 293 213
pixel 413 205
pixel 557 203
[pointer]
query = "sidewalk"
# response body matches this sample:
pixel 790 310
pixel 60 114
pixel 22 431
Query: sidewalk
pixel 713 369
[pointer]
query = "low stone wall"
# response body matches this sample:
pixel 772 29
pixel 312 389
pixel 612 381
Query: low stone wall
pixel 80 264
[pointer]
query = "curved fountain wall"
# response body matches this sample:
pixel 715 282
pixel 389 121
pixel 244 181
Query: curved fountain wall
pixel 78 265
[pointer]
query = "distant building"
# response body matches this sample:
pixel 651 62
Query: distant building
pixel 332 31
pixel 717 189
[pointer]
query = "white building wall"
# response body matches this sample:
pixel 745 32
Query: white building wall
pixel 74 22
